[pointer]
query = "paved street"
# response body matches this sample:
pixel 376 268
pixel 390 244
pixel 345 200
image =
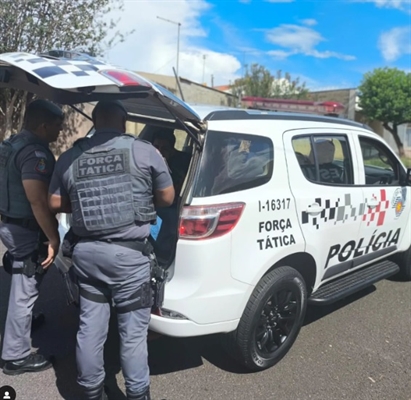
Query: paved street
pixel 359 349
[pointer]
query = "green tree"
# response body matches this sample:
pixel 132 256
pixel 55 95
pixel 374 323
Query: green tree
pixel 259 82
pixel 385 95
pixel 37 26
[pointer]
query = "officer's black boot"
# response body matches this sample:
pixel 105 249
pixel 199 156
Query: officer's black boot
pixel 32 363
pixel 142 396
pixel 95 393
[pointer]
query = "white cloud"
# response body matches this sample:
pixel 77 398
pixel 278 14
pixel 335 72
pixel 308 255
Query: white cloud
pixel 395 43
pixel 280 54
pixel 153 46
pixel 300 40
pixel 268 1
pixel 309 22
pixel 400 4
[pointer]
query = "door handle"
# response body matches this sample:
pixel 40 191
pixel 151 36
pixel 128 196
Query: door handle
pixel 314 209
pixel 373 203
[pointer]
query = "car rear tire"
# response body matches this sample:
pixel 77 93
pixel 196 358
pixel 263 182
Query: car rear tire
pixel 271 320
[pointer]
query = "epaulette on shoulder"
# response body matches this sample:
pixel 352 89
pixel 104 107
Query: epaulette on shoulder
pixel 145 141
pixel 78 141
pixel 137 138
pixel 129 135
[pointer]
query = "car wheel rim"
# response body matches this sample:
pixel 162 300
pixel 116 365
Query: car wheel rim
pixel 277 319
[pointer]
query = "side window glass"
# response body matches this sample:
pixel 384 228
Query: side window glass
pixel 232 162
pixel 134 128
pixel 324 159
pixel 380 166
pixel 181 137
pixel 303 150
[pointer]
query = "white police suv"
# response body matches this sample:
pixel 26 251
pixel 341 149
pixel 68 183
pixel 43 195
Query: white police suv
pixel 278 211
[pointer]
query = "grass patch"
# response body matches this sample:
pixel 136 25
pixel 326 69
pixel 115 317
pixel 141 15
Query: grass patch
pixel 406 161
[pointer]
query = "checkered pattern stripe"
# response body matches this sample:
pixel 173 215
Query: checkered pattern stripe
pixel 46 68
pixel 337 211
pixel 343 210
pixel 378 213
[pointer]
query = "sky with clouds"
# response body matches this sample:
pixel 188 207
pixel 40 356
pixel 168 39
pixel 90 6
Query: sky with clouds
pixel 327 43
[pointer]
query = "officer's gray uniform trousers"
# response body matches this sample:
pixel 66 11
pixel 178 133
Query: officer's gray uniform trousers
pixel 23 294
pixel 124 271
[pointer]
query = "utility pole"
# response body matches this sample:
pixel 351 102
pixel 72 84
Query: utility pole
pixel 204 58
pixel 212 80
pixel 178 39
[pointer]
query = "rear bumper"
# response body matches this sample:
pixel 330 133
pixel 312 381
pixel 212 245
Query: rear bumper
pixel 186 328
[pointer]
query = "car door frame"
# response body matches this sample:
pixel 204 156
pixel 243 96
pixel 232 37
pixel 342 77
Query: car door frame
pixel 331 130
pixel 404 239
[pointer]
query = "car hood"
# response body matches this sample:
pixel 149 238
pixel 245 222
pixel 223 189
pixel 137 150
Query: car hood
pixel 74 81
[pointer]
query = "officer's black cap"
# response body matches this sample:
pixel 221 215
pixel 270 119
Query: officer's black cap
pixel 46 105
pixel 107 105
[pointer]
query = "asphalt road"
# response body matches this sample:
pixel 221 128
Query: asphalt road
pixel 359 349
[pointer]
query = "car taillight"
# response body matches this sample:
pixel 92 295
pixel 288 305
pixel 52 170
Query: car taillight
pixel 206 222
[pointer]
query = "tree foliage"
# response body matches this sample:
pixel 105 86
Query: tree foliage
pixel 259 82
pixel 37 26
pixel 385 95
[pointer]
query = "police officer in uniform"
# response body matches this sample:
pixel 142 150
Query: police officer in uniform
pixel 28 228
pixel 111 183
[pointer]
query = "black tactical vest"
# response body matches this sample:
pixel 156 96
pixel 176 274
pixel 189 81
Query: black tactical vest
pixel 13 199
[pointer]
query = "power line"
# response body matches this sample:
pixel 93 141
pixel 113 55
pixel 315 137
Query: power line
pixel 168 62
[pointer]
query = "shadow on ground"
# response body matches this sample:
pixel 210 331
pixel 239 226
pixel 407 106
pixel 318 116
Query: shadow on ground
pixel 57 337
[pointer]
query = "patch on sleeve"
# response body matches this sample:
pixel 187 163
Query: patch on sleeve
pixel 41 166
pixel 40 154
pixel 166 163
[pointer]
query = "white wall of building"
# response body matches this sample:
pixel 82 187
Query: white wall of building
pixel 404 132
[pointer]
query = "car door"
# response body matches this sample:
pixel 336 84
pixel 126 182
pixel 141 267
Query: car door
pixel 382 179
pixel 323 171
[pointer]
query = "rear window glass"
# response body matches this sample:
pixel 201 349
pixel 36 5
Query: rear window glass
pixel 232 162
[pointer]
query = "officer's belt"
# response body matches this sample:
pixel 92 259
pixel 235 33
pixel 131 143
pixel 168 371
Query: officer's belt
pixel 143 294
pixel 143 246
pixel 29 223
pixel 30 268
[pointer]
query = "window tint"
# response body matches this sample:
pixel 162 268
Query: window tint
pixel 232 162
pixel 380 166
pixel 324 159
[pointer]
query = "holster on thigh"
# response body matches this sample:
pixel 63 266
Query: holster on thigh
pixel 31 265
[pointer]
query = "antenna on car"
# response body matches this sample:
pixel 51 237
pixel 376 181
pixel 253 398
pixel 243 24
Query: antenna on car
pixel 178 84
